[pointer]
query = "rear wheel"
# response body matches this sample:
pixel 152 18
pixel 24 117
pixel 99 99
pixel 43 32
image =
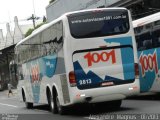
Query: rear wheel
pixel 28 105
pixel 116 104
pixel 61 109
pixel 52 103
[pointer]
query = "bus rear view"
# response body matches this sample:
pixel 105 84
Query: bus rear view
pixel 102 57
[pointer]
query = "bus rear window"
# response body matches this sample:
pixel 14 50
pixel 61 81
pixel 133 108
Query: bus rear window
pixel 98 23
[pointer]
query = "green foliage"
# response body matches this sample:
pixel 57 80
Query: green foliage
pixel 31 29
pixel 39 25
pixel 51 1
pixel 29 32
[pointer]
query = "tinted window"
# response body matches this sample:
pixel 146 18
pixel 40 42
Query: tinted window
pixel 148 37
pixel 98 23
pixel 144 41
pixel 47 42
pixel 156 33
pixel 52 39
pixel 144 37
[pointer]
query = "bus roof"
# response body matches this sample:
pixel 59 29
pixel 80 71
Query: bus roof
pixel 45 26
pixel 146 20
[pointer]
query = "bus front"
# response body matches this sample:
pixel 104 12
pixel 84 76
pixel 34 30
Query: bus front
pixel 101 56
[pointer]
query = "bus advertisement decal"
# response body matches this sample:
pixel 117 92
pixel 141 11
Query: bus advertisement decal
pixel 49 65
pixel 39 68
pixel 149 69
pixel 148 63
pixel 93 68
pixel 102 57
pixel 127 55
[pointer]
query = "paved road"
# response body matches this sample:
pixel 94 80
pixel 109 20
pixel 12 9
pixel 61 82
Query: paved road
pixel 139 105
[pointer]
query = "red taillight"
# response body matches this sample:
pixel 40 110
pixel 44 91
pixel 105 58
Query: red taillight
pixel 136 67
pixel 72 79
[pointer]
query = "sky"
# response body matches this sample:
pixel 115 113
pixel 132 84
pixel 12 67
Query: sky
pixel 23 9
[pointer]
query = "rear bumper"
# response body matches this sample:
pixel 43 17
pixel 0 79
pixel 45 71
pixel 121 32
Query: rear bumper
pixel 103 94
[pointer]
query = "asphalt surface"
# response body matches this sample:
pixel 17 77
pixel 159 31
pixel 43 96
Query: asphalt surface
pixel 11 107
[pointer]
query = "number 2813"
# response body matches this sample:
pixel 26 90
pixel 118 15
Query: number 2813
pixel 85 82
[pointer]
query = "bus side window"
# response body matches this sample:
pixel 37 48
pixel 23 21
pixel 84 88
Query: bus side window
pixel 147 44
pixel 138 42
pixel 159 41
pixel 156 34
pixel 147 40
pixel 46 37
pixel 59 35
pixel 52 39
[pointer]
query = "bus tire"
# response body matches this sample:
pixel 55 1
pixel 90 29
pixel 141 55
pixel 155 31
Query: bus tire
pixel 28 105
pixel 61 109
pixel 52 103
pixel 116 104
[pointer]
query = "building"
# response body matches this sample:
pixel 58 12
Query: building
pixel 138 8
pixel 58 7
pixel 2 40
pixel 7 44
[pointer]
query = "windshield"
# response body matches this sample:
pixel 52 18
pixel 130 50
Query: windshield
pixel 98 23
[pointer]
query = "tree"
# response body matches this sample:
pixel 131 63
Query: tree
pixel 32 29
pixel 29 32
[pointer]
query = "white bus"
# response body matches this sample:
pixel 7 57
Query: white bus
pixel 82 57
pixel 147 31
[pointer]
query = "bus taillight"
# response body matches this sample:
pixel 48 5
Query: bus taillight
pixel 72 79
pixel 136 67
